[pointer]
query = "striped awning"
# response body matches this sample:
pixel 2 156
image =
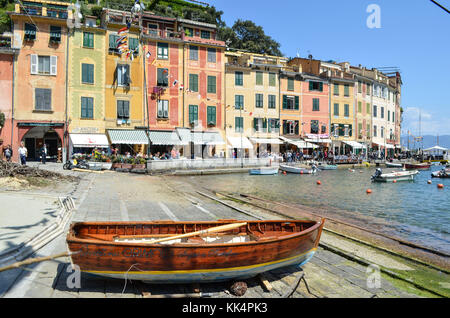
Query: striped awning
pixel 165 138
pixel 89 140
pixel 239 142
pixel 207 138
pixel 354 144
pixel 128 136
pixel 270 141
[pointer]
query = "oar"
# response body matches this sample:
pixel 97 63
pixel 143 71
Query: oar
pixel 210 230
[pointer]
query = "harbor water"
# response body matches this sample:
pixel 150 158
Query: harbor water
pixel 414 211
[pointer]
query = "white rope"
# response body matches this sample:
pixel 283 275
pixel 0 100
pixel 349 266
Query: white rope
pixel 126 273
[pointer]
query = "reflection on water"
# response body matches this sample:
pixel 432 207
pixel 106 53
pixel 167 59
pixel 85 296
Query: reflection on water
pixel 415 211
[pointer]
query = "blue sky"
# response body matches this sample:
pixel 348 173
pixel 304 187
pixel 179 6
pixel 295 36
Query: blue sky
pixel 414 36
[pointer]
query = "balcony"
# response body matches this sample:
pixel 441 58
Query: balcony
pixel 5 42
pixel 162 34
pixel 43 9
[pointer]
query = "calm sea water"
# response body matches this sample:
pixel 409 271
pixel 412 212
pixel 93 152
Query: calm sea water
pixel 414 211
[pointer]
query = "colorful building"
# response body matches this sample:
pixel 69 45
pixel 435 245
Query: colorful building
pixel 40 73
pixel 86 88
pixel 363 102
pixel 125 112
pixel 253 103
pixel 7 56
pixel 342 108
pixel 204 88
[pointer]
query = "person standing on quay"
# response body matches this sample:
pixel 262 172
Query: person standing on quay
pixel 23 152
pixel 44 153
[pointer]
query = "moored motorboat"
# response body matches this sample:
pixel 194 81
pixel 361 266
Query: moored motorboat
pixel 379 176
pixel 418 166
pixel 327 167
pixel 264 171
pixel 394 165
pixel 298 170
pixel 182 252
pixel 443 173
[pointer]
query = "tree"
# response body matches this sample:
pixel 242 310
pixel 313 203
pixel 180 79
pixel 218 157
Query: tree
pixel 246 35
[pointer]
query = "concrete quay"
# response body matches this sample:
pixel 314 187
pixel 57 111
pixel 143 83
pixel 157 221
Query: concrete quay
pixel 132 197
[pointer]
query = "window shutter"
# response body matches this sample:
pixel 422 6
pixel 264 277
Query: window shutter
pixel 83 107
pixel 297 102
pixel 119 109
pixel 91 107
pixel 34 63
pixel 296 127
pixel 255 124
pixel 166 109
pixel 265 123
pixel 53 64
pixel 284 101
pixel 285 127
pixel 310 86
pixel 160 109
pixel 126 109
pixel 321 86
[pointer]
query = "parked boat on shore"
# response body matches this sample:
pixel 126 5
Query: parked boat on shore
pixel 418 166
pixel 264 171
pixel 183 252
pixel 379 176
pixel 298 170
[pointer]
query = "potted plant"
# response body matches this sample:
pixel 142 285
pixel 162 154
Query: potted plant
pixel 116 162
pixel 128 164
pixel 139 163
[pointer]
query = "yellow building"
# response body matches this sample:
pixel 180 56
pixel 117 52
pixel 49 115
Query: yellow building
pixel 252 103
pixel 125 113
pixel 342 108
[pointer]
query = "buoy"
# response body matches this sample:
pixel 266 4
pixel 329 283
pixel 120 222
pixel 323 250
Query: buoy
pixel 301 172
pixel 395 181
pixel 318 182
pixel 440 186
pixel 429 181
pixel 368 191
pixel 284 172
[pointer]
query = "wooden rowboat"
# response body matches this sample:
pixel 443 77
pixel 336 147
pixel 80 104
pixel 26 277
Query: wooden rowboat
pixel 264 171
pixel 135 250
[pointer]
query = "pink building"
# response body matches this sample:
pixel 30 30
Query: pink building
pixel 315 110
pixel 6 86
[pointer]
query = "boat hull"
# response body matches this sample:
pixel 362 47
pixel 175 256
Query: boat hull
pixel 440 174
pixel 417 166
pixel 394 165
pixel 264 172
pixel 184 263
pixel 296 170
pixel 328 167
pixel 396 176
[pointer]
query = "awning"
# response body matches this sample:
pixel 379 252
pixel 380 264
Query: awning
pixel 387 146
pixel 185 135
pixel 89 140
pixel 164 138
pixel 128 137
pixel 207 138
pixel 354 144
pixel 236 142
pixel 300 143
pixel 271 141
pixel 320 141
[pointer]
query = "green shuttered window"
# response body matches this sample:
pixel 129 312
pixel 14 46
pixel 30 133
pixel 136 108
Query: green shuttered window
pixel 239 101
pixel 259 100
pixel 87 107
pixel 193 82
pixel 211 115
pixel 88 39
pixel 87 73
pixel 259 78
pixel 238 78
pixel 239 124
pixel 123 109
pixel 212 84
pixel 316 105
pixel 193 114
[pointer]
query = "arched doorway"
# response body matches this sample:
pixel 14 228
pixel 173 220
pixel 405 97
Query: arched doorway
pixel 35 138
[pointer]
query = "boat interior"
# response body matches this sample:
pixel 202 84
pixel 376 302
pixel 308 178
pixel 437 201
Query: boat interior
pixel 147 232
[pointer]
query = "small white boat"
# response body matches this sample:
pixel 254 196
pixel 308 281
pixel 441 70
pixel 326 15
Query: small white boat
pixel 298 170
pixel 394 165
pixel 264 171
pixel 379 176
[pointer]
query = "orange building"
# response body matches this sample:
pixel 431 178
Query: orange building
pixel 40 73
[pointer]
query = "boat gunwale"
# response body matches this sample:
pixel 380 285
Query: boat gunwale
pixel 71 238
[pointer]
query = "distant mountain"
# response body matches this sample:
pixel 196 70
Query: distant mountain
pixel 428 141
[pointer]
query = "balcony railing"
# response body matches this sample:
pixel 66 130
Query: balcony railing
pixel 5 42
pixel 162 34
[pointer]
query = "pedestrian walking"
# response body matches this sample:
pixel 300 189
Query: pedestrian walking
pixel 44 153
pixel 23 152
pixel 8 153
